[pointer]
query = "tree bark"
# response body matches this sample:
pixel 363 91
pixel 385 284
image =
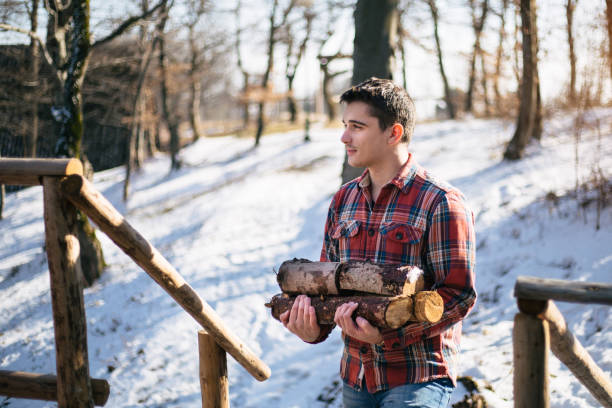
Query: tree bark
pixel 528 111
pixel 32 137
pixel 450 106
pixel 477 25
pixel 570 6
pixel 375 38
pixel 380 311
pixel 169 118
pixel 195 86
pixel 609 18
pixel 266 76
pixel 499 57
pixel 334 278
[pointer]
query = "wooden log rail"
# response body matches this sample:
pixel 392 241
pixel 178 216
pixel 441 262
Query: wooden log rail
pixel 29 172
pixel 43 387
pixel 540 326
pixel 64 189
pixel 84 196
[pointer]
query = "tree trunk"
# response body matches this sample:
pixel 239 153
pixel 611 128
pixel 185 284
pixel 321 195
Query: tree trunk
pixel 32 137
pixel 69 41
pixel 375 37
pixel 477 25
pixel 195 88
pixel 498 58
pixel 137 109
pixel 291 102
pixel 484 84
pixel 609 18
pixel 570 6
pixel 333 278
pixel 529 87
pixel 266 76
pixel 447 92
pixel 380 311
pixel 169 118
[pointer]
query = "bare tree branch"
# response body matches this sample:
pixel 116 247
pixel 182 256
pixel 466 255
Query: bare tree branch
pixel 33 35
pixel 127 24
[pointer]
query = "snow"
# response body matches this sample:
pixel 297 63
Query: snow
pixel 233 214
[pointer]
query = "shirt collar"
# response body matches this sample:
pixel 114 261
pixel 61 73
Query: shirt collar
pixel 402 179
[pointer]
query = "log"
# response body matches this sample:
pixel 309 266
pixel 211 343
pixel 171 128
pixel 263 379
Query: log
pixel 568 349
pixel 527 287
pixel 18 384
pixel 84 196
pixel 62 245
pixel 381 311
pixel 530 343
pixel 300 276
pixel 213 372
pixel 28 172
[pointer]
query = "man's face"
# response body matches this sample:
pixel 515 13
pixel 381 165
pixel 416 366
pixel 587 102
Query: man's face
pixel 366 144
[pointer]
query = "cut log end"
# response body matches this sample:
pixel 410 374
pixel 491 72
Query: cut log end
pixel 399 311
pixel 428 306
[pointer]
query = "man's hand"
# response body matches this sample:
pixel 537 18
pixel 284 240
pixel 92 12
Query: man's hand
pixel 360 328
pixel 301 320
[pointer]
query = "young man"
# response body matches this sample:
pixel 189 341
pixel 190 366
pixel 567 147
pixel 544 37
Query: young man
pixel 395 213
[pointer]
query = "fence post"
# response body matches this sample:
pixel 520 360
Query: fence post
pixel 73 383
pixel 531 343
pixel 213 372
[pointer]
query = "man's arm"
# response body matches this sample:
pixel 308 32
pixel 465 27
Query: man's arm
pixel 450 254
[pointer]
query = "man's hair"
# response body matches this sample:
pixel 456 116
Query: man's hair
pixel 388 102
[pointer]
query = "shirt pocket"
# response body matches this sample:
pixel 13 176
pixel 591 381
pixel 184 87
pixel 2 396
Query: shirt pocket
pixel 401 242
pixel 347 235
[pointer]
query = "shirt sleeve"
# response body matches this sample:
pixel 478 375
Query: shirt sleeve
pixel 450 254
pixel 329 253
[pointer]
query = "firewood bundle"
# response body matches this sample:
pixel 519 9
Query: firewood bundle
pixel 388 296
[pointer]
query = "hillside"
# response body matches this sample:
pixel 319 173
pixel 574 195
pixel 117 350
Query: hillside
pixel 233 214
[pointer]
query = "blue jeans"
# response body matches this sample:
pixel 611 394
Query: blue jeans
pixel 434 394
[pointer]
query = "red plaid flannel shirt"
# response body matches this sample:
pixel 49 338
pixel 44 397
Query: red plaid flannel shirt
pixel 416 220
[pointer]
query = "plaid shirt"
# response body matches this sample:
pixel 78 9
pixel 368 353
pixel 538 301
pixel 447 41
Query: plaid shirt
pixel 416 220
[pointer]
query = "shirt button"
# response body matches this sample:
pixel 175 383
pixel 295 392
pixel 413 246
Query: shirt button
pixel 399 235
pixel 363 349
pixel 371 232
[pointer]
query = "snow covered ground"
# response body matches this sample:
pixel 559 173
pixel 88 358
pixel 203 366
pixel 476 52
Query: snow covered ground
pixel 233 214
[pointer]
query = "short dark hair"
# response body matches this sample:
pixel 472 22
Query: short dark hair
pixel 388 102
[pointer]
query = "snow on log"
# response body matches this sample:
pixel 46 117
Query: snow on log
pixel 300 276
pixel 381 311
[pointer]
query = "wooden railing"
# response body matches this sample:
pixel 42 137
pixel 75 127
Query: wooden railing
pixel 65 190
pixel 540 326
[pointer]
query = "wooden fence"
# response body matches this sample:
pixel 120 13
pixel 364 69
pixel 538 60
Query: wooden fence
pixel 65 190
pixel 539 326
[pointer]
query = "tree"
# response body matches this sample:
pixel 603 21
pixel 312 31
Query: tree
pixel 477 25
pixel 169 118
pixel 609 18
pixel 293 58
pixel 272 39
pixel 499 57
pixel 34 64
pixel 375 37
pixel 447 91
pixel 570 6
pixel 66 52
pixel 196 11
pixel 529 122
